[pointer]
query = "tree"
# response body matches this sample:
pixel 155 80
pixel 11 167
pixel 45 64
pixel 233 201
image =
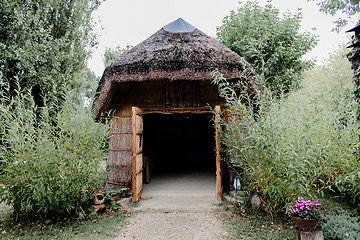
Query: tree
pixel 348 7
pixel 272 44
pixel 45 44
pixel 111 54
pixel 90 84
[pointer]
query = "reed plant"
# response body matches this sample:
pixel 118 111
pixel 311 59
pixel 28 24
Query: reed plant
pixel 48 162
pixel 299 145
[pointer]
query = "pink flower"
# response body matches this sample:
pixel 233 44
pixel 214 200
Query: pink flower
pixel 305 207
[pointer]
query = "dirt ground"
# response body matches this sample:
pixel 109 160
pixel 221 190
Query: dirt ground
pixel 184 225
pixel 176 206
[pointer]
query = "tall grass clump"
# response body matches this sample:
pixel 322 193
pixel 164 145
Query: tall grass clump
pixel 48 162
pixel 297 145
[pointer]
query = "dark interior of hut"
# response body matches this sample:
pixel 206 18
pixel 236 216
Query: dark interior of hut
pixel 178 143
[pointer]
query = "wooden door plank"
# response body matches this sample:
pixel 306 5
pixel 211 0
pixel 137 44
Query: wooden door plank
pixel 137 157
pixel 139 123
pixel 139 145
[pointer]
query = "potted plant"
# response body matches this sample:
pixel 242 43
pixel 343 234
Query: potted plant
pixel 113 194
pixel 305 214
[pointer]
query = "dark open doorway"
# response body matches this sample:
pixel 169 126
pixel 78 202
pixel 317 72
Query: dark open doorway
pixel 179 149
pixel 179 142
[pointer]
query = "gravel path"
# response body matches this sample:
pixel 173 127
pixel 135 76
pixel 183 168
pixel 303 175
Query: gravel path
pixel 187 225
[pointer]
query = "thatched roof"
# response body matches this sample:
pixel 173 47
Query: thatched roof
pixel 178 51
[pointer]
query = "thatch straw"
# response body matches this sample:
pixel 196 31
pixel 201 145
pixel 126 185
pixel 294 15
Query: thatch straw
pixel 167 56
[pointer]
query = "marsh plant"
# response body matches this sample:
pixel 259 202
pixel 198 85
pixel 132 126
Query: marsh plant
pixel 300 145
pixel 48 163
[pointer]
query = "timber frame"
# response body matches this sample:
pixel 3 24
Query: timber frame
pixel 137 165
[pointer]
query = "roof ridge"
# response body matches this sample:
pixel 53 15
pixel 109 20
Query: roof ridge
pixel 179 26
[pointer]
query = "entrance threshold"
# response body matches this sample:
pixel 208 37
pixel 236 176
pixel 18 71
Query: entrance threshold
pixel 193 183
pixel 184 191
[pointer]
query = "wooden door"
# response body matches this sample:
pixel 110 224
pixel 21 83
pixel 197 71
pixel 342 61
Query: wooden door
pixel 218 157
pixel 137 156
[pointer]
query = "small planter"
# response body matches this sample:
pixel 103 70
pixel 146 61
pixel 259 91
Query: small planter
pixel 306 224
pixel 116 197
pixel 98 199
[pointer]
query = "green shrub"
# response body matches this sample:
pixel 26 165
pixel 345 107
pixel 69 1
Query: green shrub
pixel 341 226
pixel 295 146
pixel 110 203
pixel 48 164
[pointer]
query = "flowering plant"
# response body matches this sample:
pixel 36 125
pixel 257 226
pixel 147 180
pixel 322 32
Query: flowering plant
pixel 305 209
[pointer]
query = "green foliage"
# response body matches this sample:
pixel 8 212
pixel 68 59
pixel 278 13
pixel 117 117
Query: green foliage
pixel 254 225
pixel 44 43
pixel 104 226
pixel 295 146
pixel 270 43
pixel 341 226
pixel 89 85
pixel 111 54
pixel 110 202
pixel 111 193
pixel 354 58
pixel 348 7
pixel 48 164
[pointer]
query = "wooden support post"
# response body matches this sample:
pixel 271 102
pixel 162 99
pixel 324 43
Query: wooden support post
pixel 134 190
pixel 218 158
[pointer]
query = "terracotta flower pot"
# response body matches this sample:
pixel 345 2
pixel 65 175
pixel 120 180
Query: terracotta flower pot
pixel 98 199
pixel 306 224
pixel 116 197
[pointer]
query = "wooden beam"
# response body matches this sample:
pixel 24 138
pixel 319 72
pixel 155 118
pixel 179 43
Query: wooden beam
pixel 177 110
pixel 134 191
pixel 218 157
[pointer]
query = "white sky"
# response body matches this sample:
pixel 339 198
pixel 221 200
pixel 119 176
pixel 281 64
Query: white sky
pixel 129 22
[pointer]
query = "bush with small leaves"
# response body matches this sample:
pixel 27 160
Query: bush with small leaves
pixel 341 226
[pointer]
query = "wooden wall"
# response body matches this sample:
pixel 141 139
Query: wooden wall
pixel 150 94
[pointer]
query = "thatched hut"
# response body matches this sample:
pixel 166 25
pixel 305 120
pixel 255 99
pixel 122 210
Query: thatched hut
pixel 164 84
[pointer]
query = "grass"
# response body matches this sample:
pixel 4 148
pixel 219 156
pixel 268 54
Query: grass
pixel 332 204
pixel 243 223
pixel 104 226
pixel 254 225
pixel 240 224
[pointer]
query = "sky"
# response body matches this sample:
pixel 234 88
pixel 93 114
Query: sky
pixel 129 22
